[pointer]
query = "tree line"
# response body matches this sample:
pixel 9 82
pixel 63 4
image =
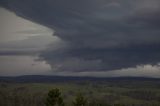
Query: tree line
pixel 54 98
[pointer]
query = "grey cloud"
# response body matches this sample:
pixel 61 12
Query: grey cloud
pixel 28 46
pixel 101 59
pixel 146 13
pixel 100 34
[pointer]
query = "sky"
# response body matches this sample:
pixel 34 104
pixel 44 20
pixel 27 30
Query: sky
pixel 100 38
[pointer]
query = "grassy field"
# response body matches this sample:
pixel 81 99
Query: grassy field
pixel 127 93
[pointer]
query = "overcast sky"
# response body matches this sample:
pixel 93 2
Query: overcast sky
pixel 80 38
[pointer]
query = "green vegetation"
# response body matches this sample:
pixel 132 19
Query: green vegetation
pixel 80 100
pixel 54 98
pixel 108 93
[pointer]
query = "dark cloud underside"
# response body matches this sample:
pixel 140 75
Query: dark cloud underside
pixel 99 34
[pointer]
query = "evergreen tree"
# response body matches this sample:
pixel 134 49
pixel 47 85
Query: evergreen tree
pixel 80 100
pixel 54 98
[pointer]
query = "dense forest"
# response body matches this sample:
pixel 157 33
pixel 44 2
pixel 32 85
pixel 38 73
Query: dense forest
pixel 81 93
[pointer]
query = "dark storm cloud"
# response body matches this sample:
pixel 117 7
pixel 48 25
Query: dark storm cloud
pixel 100 34
pixel 17 52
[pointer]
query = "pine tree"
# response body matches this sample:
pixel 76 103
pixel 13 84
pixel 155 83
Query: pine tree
pixel 54 98
pixel 80 100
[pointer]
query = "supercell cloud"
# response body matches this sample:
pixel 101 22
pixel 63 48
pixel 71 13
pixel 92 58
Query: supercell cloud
pixel 96 35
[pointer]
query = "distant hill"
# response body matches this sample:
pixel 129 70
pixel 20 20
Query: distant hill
pixel 49 79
